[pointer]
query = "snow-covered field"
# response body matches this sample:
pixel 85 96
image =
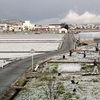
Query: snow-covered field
pixel 31 37
pixel 72 67
pixel 38 42
pixel 28 46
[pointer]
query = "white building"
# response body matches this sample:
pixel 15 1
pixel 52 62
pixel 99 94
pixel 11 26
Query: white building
pixel 28 26
pixel 53 27
pixel 63 30
pixel 3 27
pixel 18 28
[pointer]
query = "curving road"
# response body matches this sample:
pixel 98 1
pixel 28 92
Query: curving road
pixel 13 71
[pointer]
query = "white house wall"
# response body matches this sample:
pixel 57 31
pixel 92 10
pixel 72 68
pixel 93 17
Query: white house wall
pixel 62 30
pixel 28 25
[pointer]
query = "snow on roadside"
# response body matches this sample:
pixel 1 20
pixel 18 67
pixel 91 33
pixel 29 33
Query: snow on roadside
pixel 3 62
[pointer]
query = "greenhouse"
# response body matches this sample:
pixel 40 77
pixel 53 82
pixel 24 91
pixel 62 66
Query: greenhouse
pixel 89 37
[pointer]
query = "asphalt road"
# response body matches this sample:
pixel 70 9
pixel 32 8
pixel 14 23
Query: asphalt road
pixel 13 71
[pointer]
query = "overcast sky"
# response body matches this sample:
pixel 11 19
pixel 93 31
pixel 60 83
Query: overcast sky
pixel 51 11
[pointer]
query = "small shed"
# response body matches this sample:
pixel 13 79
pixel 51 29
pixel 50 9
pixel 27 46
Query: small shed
pixel 63 30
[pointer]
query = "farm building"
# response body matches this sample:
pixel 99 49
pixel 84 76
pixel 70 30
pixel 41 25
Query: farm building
pixel 62 30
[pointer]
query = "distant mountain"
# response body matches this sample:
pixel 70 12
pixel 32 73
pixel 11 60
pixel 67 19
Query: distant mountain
pixel 12 22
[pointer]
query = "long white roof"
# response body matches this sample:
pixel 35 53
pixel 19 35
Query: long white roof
pixel 89 35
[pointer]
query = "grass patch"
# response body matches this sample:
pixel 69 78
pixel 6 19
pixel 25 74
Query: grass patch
pixel 95 80
pixel 56 65
pixel 80 87
pixel 87 68
pixel 60 89
pixel 37 84
pixel 20 81
pixel 77 97
pixel 67 96
pixel 44 78
pixel 54 70
pixel 48 78
pixel 66 78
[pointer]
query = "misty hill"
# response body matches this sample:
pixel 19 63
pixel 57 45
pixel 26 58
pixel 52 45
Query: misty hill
pixel 12 22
